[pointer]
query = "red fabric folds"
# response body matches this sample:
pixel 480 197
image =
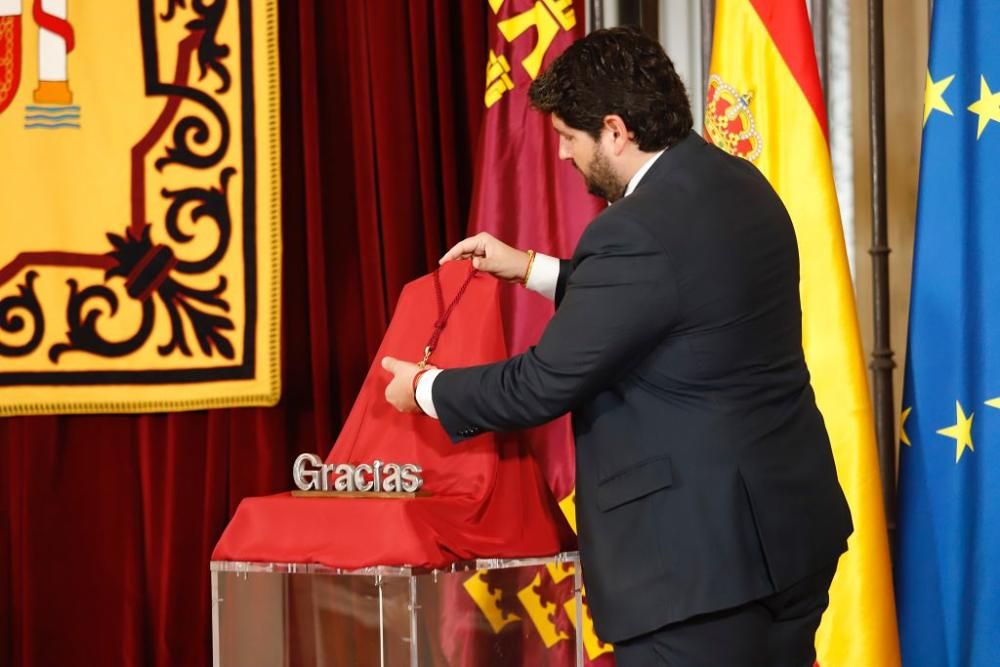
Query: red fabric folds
pixel 487 496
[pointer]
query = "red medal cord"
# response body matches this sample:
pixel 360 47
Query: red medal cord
pixel 443 312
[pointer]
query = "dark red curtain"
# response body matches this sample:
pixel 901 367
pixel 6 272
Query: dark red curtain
pixel 107 522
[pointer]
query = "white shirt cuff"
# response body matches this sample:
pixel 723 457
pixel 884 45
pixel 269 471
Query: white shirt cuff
pixel 544 276
pixel 423 395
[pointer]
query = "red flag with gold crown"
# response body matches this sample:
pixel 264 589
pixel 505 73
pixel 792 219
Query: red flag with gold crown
pixel 525 196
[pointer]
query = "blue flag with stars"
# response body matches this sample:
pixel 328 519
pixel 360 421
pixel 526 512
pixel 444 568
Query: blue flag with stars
pixel 948 556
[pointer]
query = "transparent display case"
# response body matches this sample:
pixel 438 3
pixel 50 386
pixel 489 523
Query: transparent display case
pixel 483 612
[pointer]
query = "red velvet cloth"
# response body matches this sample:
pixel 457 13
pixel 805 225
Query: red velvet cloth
pixel 486 496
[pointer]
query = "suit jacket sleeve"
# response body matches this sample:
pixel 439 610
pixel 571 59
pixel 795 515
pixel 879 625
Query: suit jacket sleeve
pixel 565 268
pixel 619 300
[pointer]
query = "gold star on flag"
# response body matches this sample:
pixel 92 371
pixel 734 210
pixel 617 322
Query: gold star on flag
pixel 903 437
pixel 961 431
pixel 934 96
pixel 994 402
pixel 987 106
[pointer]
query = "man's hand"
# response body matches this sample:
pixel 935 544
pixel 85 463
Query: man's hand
pixel 400 392
pixel 490 256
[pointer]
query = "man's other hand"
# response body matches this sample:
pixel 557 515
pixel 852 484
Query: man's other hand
pixel 400 393
pixel 490 256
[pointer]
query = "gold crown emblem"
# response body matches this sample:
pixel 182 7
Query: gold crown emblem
pixel 729 122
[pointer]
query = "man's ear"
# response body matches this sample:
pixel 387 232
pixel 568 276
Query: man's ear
pixel 617 133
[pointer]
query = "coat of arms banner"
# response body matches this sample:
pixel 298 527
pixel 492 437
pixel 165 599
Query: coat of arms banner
pixel 139 205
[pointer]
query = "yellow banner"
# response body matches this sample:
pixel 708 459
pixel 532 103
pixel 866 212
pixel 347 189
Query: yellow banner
pixel 757 108
pixel 139 205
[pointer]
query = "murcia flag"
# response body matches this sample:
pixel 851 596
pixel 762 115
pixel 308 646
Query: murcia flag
pixel 139 205
pixel 525 196
pixel 765 104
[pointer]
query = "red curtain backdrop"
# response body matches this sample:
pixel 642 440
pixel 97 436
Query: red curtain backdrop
pixel 107 522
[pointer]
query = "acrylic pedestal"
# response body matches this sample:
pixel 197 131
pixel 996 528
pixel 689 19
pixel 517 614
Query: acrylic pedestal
pixel 485 612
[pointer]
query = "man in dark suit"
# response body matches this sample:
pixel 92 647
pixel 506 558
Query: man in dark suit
pixel 709 512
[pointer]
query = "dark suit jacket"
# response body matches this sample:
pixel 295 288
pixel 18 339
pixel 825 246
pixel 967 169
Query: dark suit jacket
pixel 705 477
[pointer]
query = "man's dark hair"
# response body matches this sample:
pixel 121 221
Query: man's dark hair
pixel 616 71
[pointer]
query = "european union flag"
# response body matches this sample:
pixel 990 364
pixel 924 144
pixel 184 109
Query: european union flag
pixel 948 558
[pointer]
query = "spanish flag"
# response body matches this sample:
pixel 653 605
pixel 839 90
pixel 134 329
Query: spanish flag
pixel 764 103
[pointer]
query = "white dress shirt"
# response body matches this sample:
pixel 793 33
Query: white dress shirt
pixel 543 279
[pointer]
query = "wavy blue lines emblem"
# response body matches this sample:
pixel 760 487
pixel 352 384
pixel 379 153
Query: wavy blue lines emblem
pixel 51 117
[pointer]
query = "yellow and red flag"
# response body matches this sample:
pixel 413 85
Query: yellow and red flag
pixel 140 199
pixel 765 104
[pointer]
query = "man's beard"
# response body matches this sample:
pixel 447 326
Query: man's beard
pixel 601 180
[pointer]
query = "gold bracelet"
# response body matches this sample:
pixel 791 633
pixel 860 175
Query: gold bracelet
pixel 527 271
